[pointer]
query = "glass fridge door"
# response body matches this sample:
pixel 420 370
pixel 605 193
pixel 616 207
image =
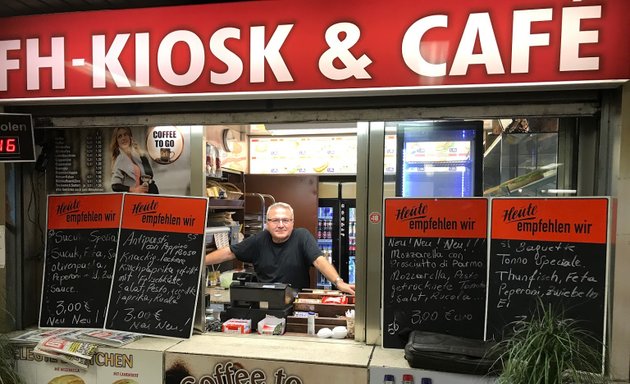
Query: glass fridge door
pixel 352 243
pixel 336 237
pixel 326 233
pixel 439 159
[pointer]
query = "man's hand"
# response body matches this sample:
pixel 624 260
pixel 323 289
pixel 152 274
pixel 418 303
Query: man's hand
pixel 329 271
pixel 345 287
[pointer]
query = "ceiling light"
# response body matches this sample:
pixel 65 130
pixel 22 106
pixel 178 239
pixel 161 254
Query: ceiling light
pixel 312 131
pixel 569 191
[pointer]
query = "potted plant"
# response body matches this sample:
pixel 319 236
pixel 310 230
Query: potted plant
pixel 8 371
pixel 550 348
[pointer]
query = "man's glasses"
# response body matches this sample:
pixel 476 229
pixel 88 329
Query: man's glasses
pixel 278 221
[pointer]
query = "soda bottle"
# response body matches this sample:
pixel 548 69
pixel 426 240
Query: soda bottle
pixel 351 269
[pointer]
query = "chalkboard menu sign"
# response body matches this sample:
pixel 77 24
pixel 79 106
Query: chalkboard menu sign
pixel 158 265
pixel 81 239
pixel 554 249
pixel 435 253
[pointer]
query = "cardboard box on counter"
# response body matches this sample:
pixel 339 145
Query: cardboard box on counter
pixel 237 326
pixel 271 325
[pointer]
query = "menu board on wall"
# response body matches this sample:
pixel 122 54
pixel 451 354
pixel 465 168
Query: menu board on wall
pixel 437 151
pixel 158 265
pixel 550 249
pixel 335 155
pixel 82 160
pixel 434 272
pixel 389 161
pixel 78 160
pixel 81 239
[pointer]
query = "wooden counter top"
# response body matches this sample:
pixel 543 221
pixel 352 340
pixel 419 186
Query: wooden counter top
pixel 279 348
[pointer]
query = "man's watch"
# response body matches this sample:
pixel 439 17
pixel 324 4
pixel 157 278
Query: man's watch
pixel 337 280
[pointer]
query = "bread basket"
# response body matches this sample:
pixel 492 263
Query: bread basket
pixel 232 192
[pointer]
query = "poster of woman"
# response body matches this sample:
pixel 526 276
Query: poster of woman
pixel 131 168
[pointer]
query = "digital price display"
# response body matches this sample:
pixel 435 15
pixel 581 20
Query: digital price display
pixel 10 145
pixel 17 141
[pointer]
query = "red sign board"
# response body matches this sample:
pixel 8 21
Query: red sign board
pixel 444 217
pixel 578 220
pixel 164 213
pixel 284 47
pixel 84 211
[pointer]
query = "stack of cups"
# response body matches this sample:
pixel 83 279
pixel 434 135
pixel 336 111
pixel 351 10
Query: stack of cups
pixel 350 327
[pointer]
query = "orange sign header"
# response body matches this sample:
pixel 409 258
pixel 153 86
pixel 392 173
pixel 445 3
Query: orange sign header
pixel 551 219
pixel 165 213
pixel 84 211
pixel 436 217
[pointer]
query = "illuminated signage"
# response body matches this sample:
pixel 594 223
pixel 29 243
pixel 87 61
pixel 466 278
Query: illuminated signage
pixel 242 50
pixel 17 142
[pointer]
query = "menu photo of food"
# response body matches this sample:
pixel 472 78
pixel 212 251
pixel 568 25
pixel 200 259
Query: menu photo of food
pixel 67 379
pixel 303 155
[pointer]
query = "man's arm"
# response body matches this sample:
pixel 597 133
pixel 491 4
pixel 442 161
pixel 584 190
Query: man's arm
pixel 329 271
pixel 219 256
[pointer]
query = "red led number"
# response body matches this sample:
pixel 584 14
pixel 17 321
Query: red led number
pixel 8 145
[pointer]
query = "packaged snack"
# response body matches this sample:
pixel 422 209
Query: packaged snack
pixel 335 300
pixel 237 326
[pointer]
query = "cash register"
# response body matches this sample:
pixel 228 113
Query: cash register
pixel 250 299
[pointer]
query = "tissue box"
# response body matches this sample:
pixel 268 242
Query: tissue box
pixel 237 326
pixel 271 325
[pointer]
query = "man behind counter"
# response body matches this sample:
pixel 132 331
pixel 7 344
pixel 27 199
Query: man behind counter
pixel 281 254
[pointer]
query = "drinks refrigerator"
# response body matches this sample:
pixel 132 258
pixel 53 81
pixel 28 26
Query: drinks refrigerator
pixel 439 159
pixel 336 237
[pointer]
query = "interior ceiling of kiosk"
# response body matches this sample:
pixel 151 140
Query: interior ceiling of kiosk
pixel 33 7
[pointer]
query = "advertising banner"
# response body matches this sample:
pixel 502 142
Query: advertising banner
pixel 108 366
pixel 118 158
pixel 285 48
pixel 128 366
pixel 183 368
